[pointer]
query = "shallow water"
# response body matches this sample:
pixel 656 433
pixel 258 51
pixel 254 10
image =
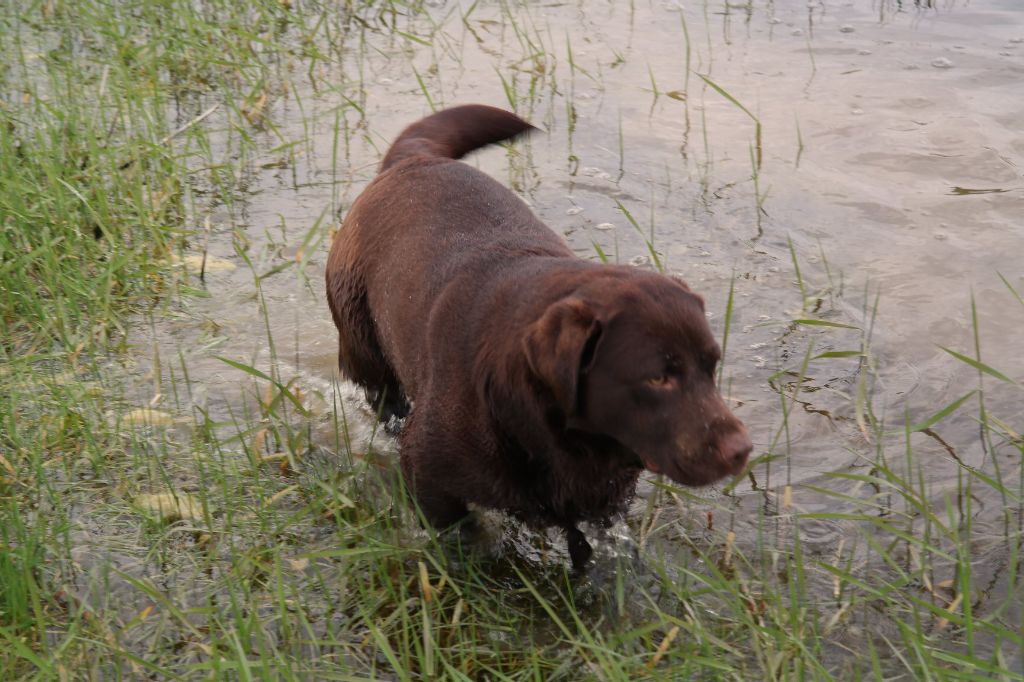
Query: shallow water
pixel 891 166
pixel 886 139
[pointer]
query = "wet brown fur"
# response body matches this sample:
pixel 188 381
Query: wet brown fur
pixel 541 384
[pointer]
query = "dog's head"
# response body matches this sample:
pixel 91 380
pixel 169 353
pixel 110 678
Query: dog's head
pixel 633 359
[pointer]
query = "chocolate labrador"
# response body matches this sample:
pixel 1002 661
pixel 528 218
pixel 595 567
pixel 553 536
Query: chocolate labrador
pixel 533 381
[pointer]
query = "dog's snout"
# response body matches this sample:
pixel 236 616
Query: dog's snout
pixel 733 450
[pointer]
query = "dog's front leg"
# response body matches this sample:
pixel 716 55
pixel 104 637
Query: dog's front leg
pixel 580 550
pixel 426 470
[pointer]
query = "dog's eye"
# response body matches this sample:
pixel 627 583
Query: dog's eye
pixel 662 381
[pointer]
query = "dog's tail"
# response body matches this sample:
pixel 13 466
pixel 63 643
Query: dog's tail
pixel 453 133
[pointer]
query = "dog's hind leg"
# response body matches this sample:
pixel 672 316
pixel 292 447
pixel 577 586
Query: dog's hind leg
pixel 360 357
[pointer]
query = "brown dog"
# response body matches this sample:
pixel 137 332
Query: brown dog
pixel 541 384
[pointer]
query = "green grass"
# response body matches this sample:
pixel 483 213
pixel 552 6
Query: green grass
pixel 282 546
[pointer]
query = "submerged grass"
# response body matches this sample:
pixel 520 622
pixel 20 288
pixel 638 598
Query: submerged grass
pixel 147 532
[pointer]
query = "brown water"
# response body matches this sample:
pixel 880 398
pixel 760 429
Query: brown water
pixel 892 164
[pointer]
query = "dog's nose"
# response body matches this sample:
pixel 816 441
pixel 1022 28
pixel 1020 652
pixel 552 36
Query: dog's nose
pixel 733 450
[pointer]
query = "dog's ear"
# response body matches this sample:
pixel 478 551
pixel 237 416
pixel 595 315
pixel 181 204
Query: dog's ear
pixel 560 345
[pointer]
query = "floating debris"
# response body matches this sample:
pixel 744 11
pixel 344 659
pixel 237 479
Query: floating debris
pixel 193 262
pixel 145 416
pixel 170 507
pixel 965 191
pixel 942 63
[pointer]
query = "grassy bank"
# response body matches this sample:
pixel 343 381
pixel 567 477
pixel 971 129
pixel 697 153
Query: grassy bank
pixel 149 529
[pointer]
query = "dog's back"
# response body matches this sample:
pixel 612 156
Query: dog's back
pixel 425 220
